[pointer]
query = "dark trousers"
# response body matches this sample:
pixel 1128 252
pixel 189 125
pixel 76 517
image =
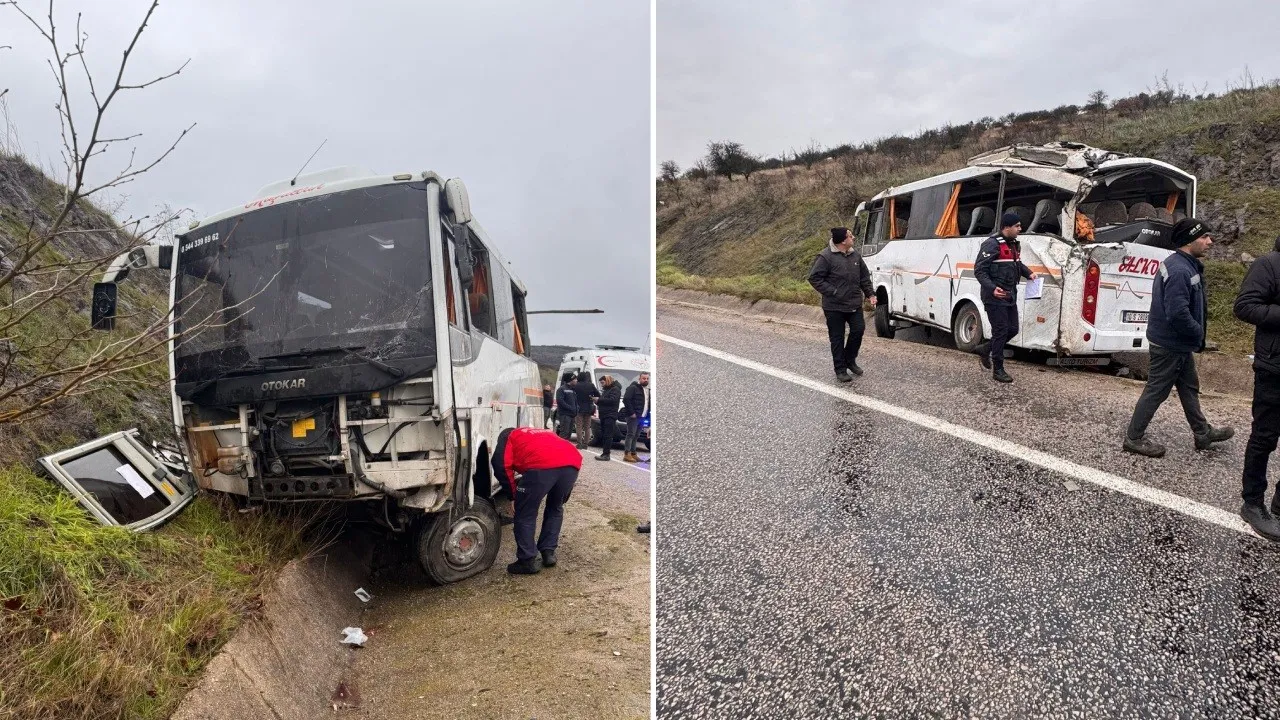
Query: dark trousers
pixel 1169 369
pixel 633 433
pixel 564 424
pixel 1004 326
pixel 548 417
pixel 608 429
pixel 584 430
pixel 844 351
pixel 554 485
pixel 1262 438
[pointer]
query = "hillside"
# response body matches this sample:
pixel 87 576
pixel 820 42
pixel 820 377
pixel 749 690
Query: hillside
pixel 756 237
pixel 99 622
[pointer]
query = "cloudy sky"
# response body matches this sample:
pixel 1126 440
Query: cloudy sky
pixel 541 107
pixel 775 75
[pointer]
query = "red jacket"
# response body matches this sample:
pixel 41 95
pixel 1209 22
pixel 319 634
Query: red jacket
pixel 520 450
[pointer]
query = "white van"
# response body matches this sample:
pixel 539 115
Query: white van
pixel 623 364
pixel 1095 227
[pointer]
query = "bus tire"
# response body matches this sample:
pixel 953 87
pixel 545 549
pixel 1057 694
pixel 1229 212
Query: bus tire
pixel 455 546
pixel 884 328
pixel 966 327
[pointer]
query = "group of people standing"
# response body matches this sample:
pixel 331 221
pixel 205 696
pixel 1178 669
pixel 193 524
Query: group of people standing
pixel 1175 333
pixel 577 401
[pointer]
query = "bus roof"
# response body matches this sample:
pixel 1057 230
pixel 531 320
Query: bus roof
pixel 1063 164
pixel 340 179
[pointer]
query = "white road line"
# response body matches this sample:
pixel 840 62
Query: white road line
pixel 1115 483
pixel 635 466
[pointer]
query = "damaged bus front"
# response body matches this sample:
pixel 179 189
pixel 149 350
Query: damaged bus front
pixel 355 337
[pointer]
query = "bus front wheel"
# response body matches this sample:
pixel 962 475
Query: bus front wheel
pixel 454 546
pixel 967 328
pixel 884 327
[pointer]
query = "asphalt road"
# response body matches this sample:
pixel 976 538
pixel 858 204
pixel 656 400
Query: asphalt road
pixel 819 559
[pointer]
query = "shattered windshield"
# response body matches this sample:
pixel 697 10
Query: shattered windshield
pixel 348 269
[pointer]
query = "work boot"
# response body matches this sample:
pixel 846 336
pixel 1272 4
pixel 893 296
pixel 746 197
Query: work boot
pixel 1001 376
pixel 984 356
pixel 855 369
pixel 604 457
pixel 1215 435
pixel 1262 522
pixel 1144 446
pixel 844 376
pixel 524 567
pixel 643 528
pixel 549 558
pixel 630 457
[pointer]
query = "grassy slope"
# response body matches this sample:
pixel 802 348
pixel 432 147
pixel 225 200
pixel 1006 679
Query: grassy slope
pixel 98 622
pixel 757 239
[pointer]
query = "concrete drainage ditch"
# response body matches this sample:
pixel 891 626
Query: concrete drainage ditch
pixel 288 664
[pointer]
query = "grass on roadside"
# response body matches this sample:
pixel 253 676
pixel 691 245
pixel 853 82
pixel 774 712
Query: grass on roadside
pixel 99 622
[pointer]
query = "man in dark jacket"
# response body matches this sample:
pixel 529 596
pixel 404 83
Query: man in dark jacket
pixel 1175 331
pixel 607 409
pixel 1259 305
pixel 548 468
pixel 548 401
pixel 998 268
pixel 841 276
pixel 635 406
pixel 587 394
pixel 566 405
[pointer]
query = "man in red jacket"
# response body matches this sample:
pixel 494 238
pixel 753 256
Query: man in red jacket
pixel 548 467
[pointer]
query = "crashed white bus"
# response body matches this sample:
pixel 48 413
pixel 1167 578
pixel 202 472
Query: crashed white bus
pixel 350 336
pixel 1095 226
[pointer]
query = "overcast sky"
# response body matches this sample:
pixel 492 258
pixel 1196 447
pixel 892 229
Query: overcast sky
pixel 541 107
pixel 775 75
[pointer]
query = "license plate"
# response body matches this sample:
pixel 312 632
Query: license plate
pixel 1134 316
pixel 1080 361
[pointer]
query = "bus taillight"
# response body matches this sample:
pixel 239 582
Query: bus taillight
pixel 1089 310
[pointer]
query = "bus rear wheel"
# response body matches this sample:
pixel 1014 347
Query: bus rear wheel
pixel 884 326
pixel 455 546
pixel 967 328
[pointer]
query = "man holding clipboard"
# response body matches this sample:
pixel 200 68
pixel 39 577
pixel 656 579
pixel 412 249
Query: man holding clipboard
pixel 998 268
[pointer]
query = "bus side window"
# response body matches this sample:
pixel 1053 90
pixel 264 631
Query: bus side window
pixel 453 286
pixel 480 295
pixel 874 231
pixel 521 343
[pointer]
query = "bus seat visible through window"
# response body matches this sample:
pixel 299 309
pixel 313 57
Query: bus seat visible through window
pixel 1046 217
pixel 983 221
pixel 1111 212
pixel 1141 211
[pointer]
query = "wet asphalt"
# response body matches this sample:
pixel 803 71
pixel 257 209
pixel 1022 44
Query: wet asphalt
pixel 816 559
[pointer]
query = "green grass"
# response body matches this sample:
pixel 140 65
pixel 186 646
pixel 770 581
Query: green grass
pixel 100 622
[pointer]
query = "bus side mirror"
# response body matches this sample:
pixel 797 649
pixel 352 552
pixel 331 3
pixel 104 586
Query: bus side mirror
pixel 104 306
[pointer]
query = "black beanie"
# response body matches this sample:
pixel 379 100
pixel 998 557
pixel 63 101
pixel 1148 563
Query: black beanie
pixel 838 235
pixel 1187 230
pixel 1008 219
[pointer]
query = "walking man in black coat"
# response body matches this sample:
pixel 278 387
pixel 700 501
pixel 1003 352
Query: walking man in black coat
pixel 841 276
pixel 607 408
pixel 548 400
pixel 1259 305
